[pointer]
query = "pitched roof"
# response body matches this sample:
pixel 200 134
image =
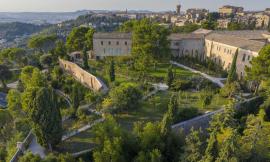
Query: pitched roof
pixel 177 36
pixel 246 34
pixel 252 45
pixel 112 35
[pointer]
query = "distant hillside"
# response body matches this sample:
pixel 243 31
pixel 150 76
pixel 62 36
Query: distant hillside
pixel 101 23
pixel 10 31
pixel 39 17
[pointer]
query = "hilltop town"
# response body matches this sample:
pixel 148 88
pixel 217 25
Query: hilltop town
pixel 121 86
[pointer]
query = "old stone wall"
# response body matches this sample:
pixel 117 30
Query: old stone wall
pixel 83 76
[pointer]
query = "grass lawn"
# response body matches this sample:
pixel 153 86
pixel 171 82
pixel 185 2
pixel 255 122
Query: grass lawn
pixel 154 108
pixel 149 111
pixel 80 142
pixel 192 99
pixel 162 69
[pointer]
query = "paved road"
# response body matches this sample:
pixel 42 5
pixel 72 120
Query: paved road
pixel 65 96
pixel 215 80
pixel 13 85
pixel 36 148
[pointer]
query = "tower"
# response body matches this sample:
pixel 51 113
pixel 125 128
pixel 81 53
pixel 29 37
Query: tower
pixel 178 9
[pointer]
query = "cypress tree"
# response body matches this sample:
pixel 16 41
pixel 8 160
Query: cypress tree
pixel 112 71
pixel 85 59
pixel 232 76
pixel 211 152
pixel 45 116
pixel 229 149
pixel 194 147
pixel 75 99
pixel 168 118
pixel 170 76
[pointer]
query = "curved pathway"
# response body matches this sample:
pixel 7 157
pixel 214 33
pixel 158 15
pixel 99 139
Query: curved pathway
pixel 215 80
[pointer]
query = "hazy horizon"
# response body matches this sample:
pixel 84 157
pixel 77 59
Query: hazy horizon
pixel 151 5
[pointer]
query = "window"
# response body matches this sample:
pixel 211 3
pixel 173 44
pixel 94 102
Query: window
pixel 109 42
pixel 244 58
pixel 101 43
pixel 117 43
pixel 248 57
pixel 126 43
pixel 176 43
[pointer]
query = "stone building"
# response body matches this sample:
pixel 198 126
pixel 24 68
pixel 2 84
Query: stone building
pixel 187 44
pixel 221 48
pixel 111 44
pixel 223 23
pixel 230 10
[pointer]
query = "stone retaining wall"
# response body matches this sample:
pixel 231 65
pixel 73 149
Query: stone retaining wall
pixel 83 76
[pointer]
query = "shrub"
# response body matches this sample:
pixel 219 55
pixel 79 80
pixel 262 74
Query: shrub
pixel 181 85
pixel 124 97
pixel 206 98
pixel 186 114
pixel 230 89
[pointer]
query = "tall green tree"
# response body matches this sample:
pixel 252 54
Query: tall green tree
pixel 85 59
pixel 75 99
pixel 60 49
pixel 210 25
pixel 112 151
pixel 42 43
pixel 112 71
pixel 259 70
pixel 77 39
pixel 32 77
pixel 168 118
pixel 43 110
pixel 229 150
pixel 211 152
pixel 5 74
pixel 232 76
pixel 125 97
pixel 46 60
pixel 255 141
pixel 10 55
pixel 89 38
pixel 193 151
pixel 170 77
pixel 14 103
pixel 149 43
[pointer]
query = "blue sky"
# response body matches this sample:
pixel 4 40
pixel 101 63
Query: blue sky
pixel 154 5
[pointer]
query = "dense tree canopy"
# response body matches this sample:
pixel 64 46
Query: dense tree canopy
pixel 5 74
pixel 32 77
pixel 259 70
pixel 150 42
pixel 188 28
pixel 80 38
pixel 42 43
pixel 13 55
pixel 41 105
pixel 124 97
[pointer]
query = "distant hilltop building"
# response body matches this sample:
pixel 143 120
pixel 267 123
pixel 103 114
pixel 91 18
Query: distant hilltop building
pixel 229 10
pixel 178 9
